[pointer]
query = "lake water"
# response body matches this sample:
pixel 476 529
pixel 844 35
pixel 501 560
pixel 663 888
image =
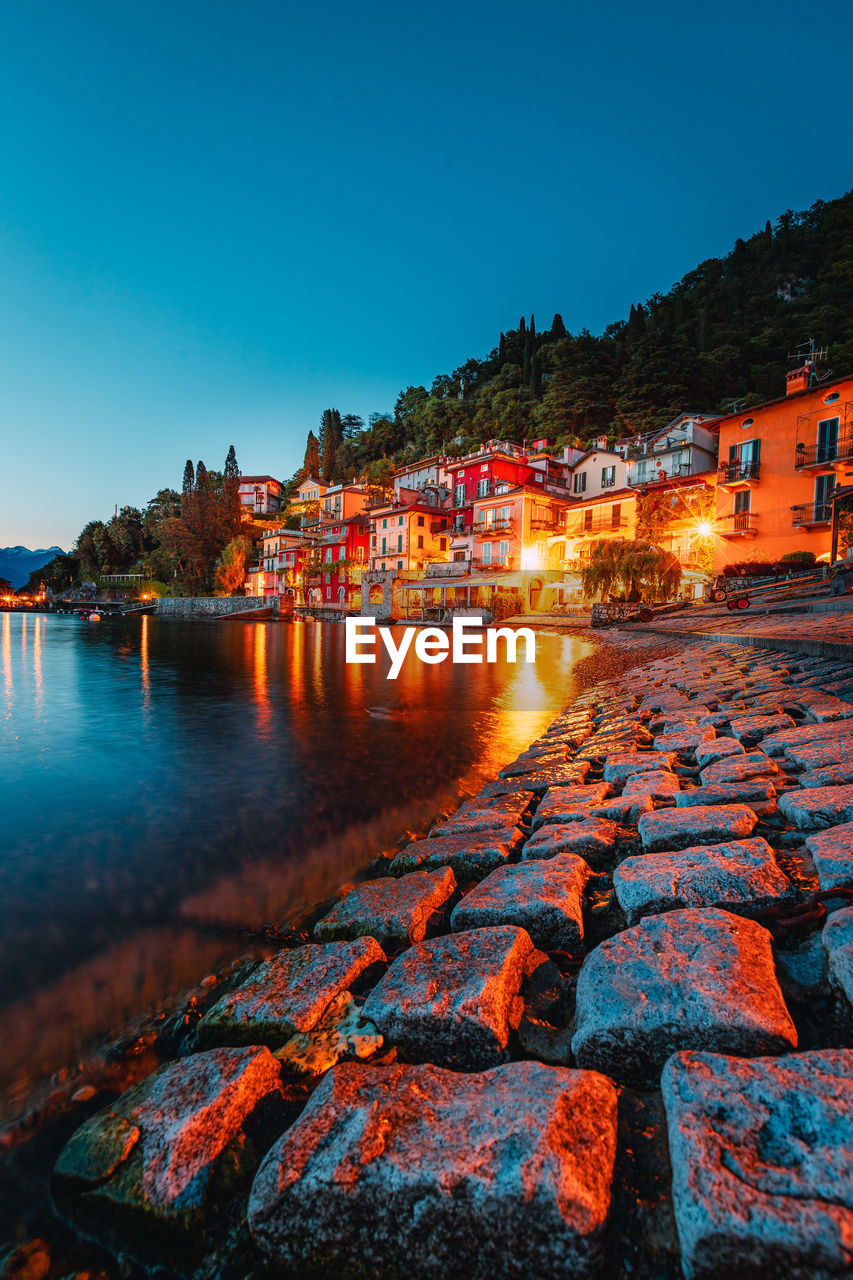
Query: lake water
pixel 166 783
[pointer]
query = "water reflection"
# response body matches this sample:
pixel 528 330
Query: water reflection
pixel 166 783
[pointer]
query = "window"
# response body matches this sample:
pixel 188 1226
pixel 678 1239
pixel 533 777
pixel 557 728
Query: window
pixel 587 518
pixel 482 488
pixel 608 477
pixel 384 524
pixel 504 551
pixel 399 519
pixel 420 522
pixel 744 459
pixel 383 564
pixel 742 501
pixel 827 440
pixel 580 482
pixel 399 542
pixel 399 564
pixel 487 553
pixel 502 488
pixel 831 399
pixel 384 540
pixel 489 518
pixel 459 495
pixel 504 513
pixel 420 542
pixel 328 593
pixel 459 556
pixel 824 487
pixel 616 515
pixel 442 544
pixel 329 551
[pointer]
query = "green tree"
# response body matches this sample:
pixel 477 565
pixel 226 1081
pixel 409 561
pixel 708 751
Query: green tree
pixel 633 568
pixel 232 510
pixel 311 463
pixel 231 569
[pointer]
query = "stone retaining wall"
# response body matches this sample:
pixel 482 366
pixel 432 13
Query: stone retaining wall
pixel 211 606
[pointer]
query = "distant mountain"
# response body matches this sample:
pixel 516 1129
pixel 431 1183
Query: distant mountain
pixel 17 563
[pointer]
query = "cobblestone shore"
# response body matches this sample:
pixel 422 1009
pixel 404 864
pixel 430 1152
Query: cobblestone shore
pixel 598 1022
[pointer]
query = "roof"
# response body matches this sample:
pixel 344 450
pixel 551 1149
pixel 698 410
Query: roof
pixel 680 482
pixel 312 480
pixel 259 480
pixel 765 404
pixel 601 499
pixel 611 453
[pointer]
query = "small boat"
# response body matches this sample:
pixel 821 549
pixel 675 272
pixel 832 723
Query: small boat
pixel 94 617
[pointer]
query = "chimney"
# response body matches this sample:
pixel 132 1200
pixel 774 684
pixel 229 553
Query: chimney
pixel 797 380
pixel 601 442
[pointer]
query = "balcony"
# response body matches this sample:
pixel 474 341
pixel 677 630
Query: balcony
pixel 595 524
pixel 738 475
pixel 438 526
pixel 744 524
pixel 496 526
pixel 544 522
pixel 810 513
pixel 823 457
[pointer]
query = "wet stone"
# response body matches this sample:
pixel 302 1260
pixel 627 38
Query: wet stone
pixel 470 856
pixel 831 775
pixel 569 804
pixel 807 735
pixel 741 876
pixel 288 993
pixel 559 775
pixel 705 824
pixel 724 793
pixel 819 755
pixel 751 729
pixel 832 853
pixel 686 742
pixel 626 810
pixel 818 807
pixel 593 840
pixel 660 785
pixel 396 911
pixel 419 1172
pixel 501 812
pixel 762 1162
pixel 720 749
pixel 454 1000
pixel 543 896
pixel 154 1153
pixel 738 768
pixel 692 979
pixel 624 764
pixel 838 942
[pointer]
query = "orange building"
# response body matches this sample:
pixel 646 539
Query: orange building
pixel 780 463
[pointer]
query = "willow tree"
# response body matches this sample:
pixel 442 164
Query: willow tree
pixel 635 569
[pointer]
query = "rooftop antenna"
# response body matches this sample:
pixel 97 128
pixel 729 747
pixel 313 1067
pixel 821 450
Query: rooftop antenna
pixel 808 353
pixel 736 406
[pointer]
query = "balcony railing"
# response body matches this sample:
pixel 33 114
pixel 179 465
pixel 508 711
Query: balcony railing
pixel 738 472
pixel 496 526
pixel 741 522
pixel 597 524
pixel 819 455
pixel 811 513
pixel 544 522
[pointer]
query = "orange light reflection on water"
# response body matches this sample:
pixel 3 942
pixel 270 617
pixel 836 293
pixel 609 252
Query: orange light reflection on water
pixel 261 680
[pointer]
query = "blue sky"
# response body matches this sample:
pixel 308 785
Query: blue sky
pixel 217 220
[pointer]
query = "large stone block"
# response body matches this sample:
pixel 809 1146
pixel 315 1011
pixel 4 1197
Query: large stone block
pixel 396 911
pixel 762 1163
pixel 623 764
pixel 704 824
pixel 593 840
pixel 659 785
pixel 755 764
pixel 545 897
pixel 723 793
pixel 454 1000
pixel 470 856
pixel 288 993
pixel 741 876
pixel 838 942
pixel 832 853
pixel 502 811
pixel 831 775
pixel 693 979
pixel 569 804
pixel 776 744
pixel 814 808
pixel 152 1155
pixel 818 755
pixel 415 1173
pixel 720 749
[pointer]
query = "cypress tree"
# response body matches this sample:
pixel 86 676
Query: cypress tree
pixel 189 477
pixel 558 329
pixel 231 492
pixel 311 461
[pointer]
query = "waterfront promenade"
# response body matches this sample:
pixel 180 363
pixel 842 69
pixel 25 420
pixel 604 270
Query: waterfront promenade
pixel 597 1022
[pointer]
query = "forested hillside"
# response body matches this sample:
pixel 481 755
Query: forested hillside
pixel 723 332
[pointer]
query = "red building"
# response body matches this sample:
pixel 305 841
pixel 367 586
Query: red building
pixel 332 572
pixel 495 469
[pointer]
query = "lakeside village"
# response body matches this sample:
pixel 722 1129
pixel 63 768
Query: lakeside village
pixel 515 529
